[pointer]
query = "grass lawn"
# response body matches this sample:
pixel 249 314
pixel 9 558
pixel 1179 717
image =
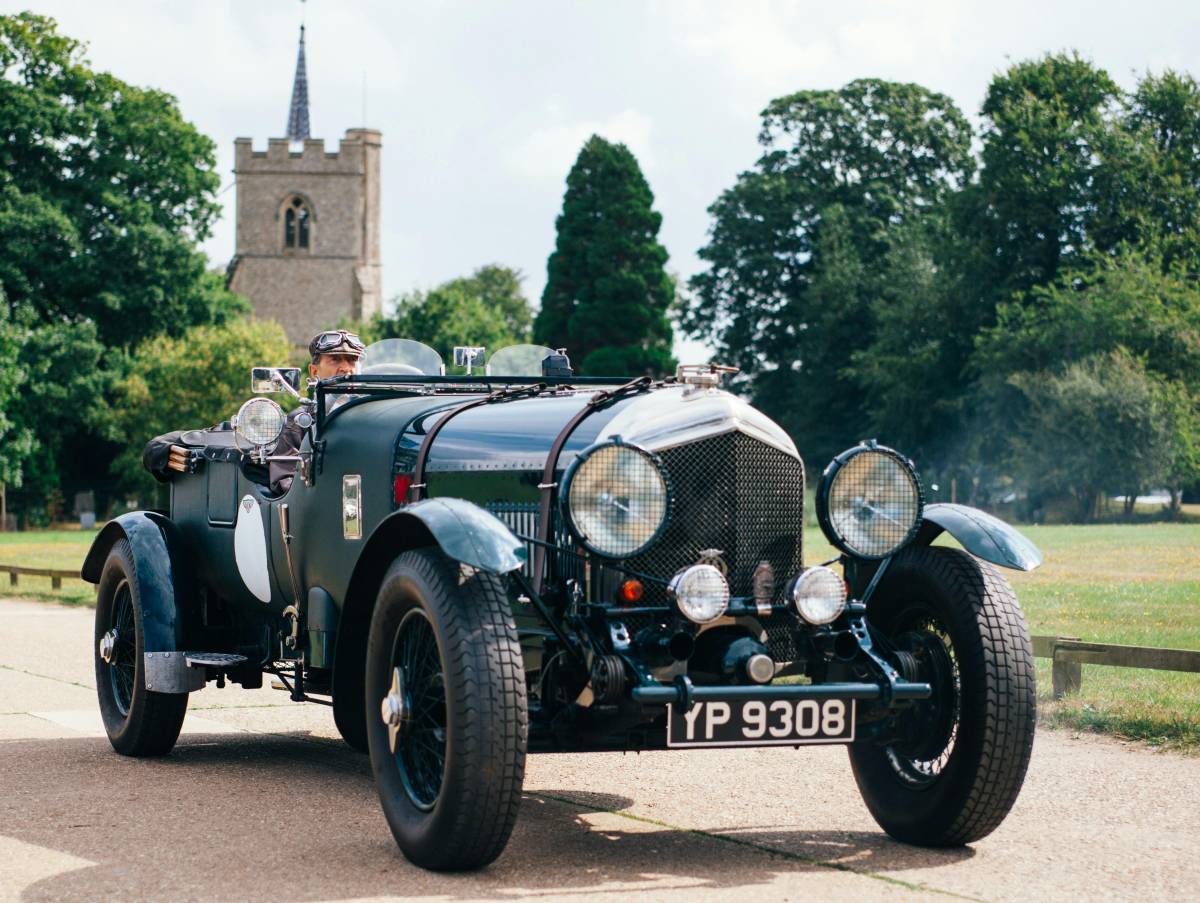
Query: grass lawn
pixel 1138 585
pixel 63 549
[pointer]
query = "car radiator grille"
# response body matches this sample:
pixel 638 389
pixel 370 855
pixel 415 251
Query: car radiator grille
pixel 730 493
pixel 736 495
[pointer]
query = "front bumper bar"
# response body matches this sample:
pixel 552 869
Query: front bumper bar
pixel 683 692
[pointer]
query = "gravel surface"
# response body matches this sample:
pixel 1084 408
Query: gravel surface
pixel 260 799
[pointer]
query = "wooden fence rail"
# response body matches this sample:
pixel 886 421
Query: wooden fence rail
pixel 1070 654
pixel 56 576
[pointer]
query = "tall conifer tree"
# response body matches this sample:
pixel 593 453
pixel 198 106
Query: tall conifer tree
pixel 607 294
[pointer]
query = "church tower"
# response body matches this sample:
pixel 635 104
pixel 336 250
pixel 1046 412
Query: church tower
pixel 308 224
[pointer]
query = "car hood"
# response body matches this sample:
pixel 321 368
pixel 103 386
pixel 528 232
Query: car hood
pixel 517 435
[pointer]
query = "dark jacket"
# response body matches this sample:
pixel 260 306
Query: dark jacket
pixel 288 444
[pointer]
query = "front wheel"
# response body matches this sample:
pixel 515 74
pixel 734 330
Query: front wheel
pixel 956 762
pixel 446 711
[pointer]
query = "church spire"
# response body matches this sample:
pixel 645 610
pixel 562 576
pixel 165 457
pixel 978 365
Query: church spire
pixel 297 127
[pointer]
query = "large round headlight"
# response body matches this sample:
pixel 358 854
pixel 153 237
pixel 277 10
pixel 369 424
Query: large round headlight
pixel 869 501
pixel 615 499
pixel 819 595
pixel 259 421
pixel 701 592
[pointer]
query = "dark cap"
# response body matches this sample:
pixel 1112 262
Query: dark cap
pixel 336 341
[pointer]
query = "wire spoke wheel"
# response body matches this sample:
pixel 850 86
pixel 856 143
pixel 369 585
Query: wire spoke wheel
pixel 930 729
pixel 122 666
pixel 444 673
pixel 421 749
pixel 951 766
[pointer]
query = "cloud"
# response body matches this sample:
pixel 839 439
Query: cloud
pixel 548 152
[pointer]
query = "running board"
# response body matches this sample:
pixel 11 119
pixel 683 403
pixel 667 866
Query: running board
pixel 183 672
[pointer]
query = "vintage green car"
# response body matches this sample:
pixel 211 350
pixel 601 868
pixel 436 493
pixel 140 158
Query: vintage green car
pixel 469 568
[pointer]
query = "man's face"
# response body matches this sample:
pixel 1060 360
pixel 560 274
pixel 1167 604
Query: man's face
pixel 328 365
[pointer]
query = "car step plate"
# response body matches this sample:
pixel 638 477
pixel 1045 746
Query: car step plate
pixel 213 659
pixel 761 722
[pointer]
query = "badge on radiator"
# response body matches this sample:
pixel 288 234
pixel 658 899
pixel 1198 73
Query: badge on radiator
pixel 713 557
pixel 764 587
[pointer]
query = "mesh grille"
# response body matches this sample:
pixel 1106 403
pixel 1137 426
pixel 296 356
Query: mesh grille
pixel 522 519
pixel 737 495
pixel 730 493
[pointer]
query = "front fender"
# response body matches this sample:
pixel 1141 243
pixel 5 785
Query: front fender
pixel 468 533
pixel 980 534
pixel 162 569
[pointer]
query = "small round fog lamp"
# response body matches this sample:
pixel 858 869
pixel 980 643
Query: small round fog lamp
pixel 819 595
pixel 701 592
pixel 259 421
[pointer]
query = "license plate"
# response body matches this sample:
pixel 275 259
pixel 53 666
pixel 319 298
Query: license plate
pixel 761 722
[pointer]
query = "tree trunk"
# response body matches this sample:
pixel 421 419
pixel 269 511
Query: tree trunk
pixel 1175 506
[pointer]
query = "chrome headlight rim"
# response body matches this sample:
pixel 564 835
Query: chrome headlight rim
pixel 828 480
pixel 701 571
pixel 239 421
pixel 806 578
pixel 568 481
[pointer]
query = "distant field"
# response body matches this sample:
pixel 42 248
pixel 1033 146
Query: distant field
pixel 1111 583
pixel 63 549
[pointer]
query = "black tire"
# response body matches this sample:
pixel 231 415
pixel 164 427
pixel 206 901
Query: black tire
pixel 957 772
pixel 138 721
pixel 451 789
pixel 353 731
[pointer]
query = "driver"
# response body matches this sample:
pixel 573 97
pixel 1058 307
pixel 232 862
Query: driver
pixel 334 353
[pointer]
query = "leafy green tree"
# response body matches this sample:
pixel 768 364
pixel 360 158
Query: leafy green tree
pixel 1097 425
pixel 911 375
pixel 1046 123
pixel 16 438
pixel 1121 303
pixel 193 381
pixel 499 289
pixel 1110 301
pixel 104 192
pixel 799 245
pixel 607 293
pixel 449 315
pixel 1148 188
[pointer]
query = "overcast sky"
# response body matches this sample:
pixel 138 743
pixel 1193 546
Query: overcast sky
pixel 484 105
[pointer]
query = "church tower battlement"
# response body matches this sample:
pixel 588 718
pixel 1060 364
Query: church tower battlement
pixel 308 231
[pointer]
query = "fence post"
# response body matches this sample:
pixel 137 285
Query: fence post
pixel 1067 676
pixel 12 578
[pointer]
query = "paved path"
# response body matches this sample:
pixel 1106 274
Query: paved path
pixel 260 800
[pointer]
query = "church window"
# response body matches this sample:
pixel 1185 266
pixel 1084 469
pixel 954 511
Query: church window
pixel 296 224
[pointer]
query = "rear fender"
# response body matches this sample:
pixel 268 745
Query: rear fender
pixel 980 534
pixel 162 568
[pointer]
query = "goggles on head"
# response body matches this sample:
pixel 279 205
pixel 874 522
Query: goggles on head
pixel 336 341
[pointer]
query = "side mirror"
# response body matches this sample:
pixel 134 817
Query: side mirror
pixel 265 380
